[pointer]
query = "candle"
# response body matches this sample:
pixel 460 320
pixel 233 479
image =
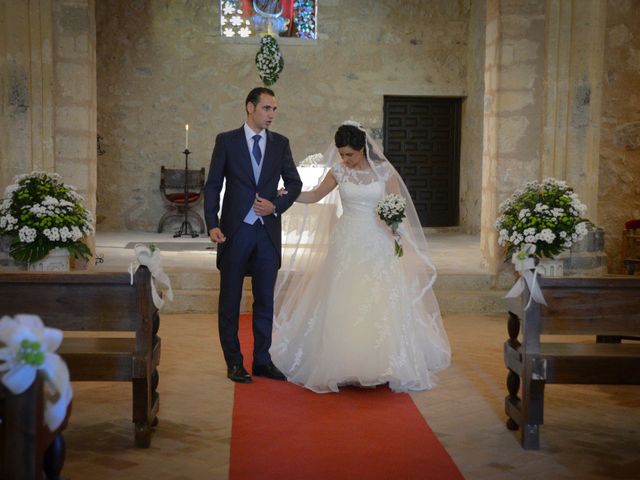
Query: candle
pixel 186 140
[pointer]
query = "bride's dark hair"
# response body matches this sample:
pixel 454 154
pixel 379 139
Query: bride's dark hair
pixel 350 136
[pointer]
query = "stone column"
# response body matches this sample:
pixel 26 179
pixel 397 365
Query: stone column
pixel 514 71
pixel 48 82
pixel 488 234
pixel 573 95
pixel 26 121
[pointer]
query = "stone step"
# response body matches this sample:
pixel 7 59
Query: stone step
pixel 471 301
pixel 181 280
pixel 450 301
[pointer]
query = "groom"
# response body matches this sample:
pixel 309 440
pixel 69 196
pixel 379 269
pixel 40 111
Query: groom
pixel 250 161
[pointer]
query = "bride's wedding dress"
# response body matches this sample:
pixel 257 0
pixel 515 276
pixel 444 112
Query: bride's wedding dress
pixel 360 318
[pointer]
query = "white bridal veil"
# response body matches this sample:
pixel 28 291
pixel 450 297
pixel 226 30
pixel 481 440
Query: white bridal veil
pixel 308 229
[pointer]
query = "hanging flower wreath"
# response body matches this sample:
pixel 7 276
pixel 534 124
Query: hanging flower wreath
pixel 269 60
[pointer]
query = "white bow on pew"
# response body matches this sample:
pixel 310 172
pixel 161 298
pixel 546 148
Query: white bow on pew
pixel 150 257
pixel 525 265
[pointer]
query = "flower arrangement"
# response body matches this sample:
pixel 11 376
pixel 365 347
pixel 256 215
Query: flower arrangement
pixel 543 219
pixel 40 213
pixel 391 211
pixel 26 348
pixel 269 60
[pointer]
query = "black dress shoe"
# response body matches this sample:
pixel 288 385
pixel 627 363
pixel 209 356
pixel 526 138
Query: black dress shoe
pixel 237 373
pixel 268 370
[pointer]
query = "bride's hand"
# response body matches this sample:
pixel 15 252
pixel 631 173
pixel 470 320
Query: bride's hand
pixel 282 192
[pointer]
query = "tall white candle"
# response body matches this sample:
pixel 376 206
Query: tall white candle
pixel 186 140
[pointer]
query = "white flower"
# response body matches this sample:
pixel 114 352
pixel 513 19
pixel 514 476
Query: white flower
pixel 29 346
pixel 8 192
pixel 540 207
pixel 27 234
pixel 547 235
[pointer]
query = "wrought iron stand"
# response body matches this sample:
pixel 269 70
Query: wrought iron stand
pixel 186 228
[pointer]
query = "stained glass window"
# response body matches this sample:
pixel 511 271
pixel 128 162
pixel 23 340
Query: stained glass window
pixel 280 18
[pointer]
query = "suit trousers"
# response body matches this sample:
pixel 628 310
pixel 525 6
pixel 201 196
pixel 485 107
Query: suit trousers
pixel 249 251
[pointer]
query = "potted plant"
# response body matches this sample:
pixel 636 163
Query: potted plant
pixel 540 221
pixel 40 214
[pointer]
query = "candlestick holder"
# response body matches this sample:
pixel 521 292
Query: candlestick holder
pixel 186 228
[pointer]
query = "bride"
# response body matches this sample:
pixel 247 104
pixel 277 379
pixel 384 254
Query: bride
pixel 348 310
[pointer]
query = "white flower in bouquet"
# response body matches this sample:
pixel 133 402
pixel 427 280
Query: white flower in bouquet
pixel 391 211
pixel 545 218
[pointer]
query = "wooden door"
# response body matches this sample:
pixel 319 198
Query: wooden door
pixel 422 141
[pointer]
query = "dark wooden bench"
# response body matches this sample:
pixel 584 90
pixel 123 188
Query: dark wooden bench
pixel 28 449
pixel 98 302
pixel 605 307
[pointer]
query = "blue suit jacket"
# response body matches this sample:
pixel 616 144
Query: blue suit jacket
pixel 231 161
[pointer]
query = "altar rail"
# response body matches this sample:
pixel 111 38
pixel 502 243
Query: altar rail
pixel 607 308
pixel 98 307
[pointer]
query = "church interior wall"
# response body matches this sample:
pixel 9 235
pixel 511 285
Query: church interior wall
pixel 163 64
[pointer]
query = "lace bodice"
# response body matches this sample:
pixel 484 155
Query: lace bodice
pixel 360 191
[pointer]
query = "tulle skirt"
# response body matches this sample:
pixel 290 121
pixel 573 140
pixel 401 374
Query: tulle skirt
pixel 359 319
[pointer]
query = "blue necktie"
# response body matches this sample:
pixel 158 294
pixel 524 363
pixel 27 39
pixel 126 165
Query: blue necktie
pixel 257 154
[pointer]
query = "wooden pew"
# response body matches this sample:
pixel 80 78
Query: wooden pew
pixel 591 306
pixel 28 449
pixel 98 302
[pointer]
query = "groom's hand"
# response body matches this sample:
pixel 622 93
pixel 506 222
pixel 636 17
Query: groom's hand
pixel 216 235
pixel 262 206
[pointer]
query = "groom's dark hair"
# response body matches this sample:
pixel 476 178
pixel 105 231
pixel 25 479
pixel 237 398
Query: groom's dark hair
pixel 350 136
pixel 254 95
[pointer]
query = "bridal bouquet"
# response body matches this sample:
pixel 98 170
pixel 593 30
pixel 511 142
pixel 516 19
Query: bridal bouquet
pixel 542 220
pixel 391 211
pixel 39 213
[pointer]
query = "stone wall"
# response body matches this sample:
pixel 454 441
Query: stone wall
pixel 163 64
pixel 619 189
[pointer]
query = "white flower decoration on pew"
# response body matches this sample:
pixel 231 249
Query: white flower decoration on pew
pixel 26 347
pixel 525 264
pixel 150 257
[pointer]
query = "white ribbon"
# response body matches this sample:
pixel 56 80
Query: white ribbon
pixel 153 261
pixel 528 271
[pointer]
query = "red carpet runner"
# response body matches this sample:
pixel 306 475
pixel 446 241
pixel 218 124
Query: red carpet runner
pixel 282 431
